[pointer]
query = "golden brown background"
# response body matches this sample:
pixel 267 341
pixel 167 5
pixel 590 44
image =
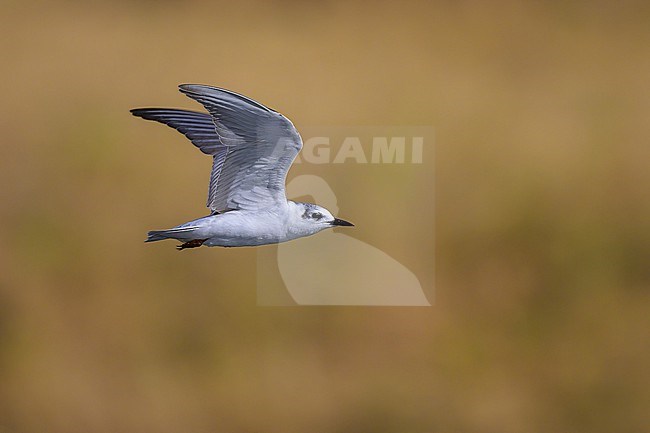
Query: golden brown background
pixel 542 219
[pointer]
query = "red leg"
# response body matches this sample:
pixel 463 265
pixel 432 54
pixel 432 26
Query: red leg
pixel 194 243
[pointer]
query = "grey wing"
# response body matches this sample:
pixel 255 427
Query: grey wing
pixel 261 143
pixel 200 129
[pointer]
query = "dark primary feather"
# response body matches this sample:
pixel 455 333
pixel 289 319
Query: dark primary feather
pixel 200 129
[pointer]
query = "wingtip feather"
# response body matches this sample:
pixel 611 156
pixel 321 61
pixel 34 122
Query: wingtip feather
pixel 202 91
pixel 195 88
pixel 139 112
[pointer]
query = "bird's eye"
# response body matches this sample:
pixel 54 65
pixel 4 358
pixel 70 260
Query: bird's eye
pixel 317 215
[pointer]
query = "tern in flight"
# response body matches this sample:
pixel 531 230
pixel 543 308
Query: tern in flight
pixel 252 147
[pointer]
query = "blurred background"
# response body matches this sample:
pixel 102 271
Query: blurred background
pixel 542 219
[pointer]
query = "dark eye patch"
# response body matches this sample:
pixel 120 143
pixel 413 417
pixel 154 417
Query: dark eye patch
pixel 317 215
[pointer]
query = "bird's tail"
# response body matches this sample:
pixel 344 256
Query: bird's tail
pixel 180 233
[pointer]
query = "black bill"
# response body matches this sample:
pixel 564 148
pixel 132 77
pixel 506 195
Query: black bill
pixel 340 222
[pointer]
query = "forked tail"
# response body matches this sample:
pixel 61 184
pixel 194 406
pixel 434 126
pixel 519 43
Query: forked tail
pixel 180 233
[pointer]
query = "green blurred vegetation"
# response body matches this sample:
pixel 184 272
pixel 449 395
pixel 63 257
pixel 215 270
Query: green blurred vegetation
pixel 542 219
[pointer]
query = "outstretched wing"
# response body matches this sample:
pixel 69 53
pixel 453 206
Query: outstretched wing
pixel 262 145
pixel 200 129
pixel 252 145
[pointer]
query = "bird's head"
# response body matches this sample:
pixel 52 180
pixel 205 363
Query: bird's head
pixel 312 218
